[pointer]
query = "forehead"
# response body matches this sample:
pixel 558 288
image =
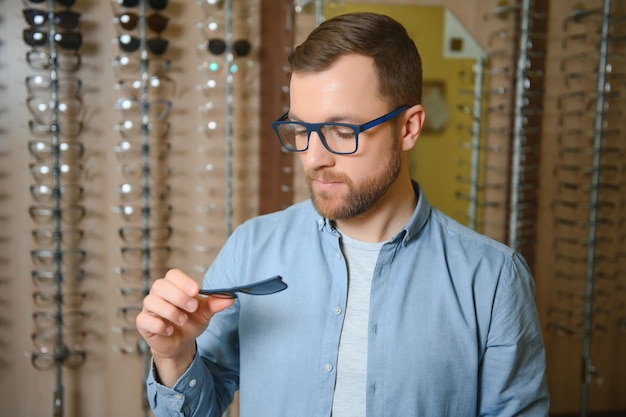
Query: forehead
pixel 348 87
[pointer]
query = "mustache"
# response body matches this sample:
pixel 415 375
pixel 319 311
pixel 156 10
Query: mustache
pixel 325 175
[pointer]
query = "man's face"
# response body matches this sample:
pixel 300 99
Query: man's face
pixel 346 186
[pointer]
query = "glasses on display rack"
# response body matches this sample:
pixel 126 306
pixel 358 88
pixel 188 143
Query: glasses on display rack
pixel 135 170
pixel 48 257
pixel 136 275
pixel 64 19
pixel 68 237
pixel 71 320
pixel 70 193
pixel 157 85
pixel 65 128
pixel 128 151
pixel 66 3
pixel 42 150
pixel 136 234
pixel 156 22
pixel 44 215
pixel 71 277
pixel 68 173
pixel 133 212
pixel 66 40
pixel 155 4
pixel 70 298
pixel 70 358
pixel 129 192
pixel 66 108
pixel 132 129
pixel 157 109
pixel 131 43
pixel 42 60
pixel 66 86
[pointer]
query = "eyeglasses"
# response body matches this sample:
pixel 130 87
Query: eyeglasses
pixel 47 341
pixel 132 234
pixel 65 85
pixel 337 138
pixel 70 257
pixel 155 4
pixel 44 215
pixel 129 192
pixel 46 320
pixel 42 107
pixel 69 358
pixel 70 193
pixel 217 46
pixel 65 40
pixel 136 254
pixel 131 128
pixel 155 21
pixel 158 109
pixel 68 237
pixel 42 150
pixel 69 276
pixel 44 173
pixel 157 84
pixel 130 43
pixel 66 3
pixel 136 274
pixel 68 128
pixel 136 212
pixel 64 61
pixel 135 171
pixel 127 150
pixel 67 298
pixel 65 19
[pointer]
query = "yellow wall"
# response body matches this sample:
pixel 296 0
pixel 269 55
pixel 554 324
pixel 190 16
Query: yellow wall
pixel 434 161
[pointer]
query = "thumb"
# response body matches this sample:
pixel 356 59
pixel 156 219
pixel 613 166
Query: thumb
pixel 208 306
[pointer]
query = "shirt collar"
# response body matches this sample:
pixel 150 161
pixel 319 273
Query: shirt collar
pixel 411 228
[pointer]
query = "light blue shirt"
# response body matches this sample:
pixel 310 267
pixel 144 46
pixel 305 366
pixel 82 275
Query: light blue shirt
pixel 453 327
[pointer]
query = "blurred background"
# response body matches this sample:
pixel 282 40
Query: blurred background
pixel 135 135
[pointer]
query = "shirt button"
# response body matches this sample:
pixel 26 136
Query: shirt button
pixel 178 396
pixel 328 367
pixel 337 310
pixel 338 255
pixel 192 383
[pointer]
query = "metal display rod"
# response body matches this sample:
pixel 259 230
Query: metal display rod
pixel 518 126
pixel 479 71
pixel 589 370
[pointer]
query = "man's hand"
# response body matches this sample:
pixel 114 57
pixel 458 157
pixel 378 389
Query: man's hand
pixel 173 316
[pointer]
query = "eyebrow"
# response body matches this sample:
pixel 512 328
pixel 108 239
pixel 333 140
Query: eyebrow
pixel 334 119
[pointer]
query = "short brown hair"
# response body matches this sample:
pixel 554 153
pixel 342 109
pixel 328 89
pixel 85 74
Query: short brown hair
pixel 396 58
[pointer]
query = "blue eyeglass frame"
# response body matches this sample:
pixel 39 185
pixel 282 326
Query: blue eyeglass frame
pixel 316 127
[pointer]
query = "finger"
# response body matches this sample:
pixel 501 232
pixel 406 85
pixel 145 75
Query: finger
pixel 159 307
pixel 209 305
pixel 168 290
pixel 149 325
pixel 183 281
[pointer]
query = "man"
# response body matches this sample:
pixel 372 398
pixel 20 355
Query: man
pixel 393 309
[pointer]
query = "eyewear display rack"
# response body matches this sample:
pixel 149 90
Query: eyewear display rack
pixel 590 198
pixel 58 270
pixel 149 229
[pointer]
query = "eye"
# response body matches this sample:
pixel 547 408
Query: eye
pixel 342 133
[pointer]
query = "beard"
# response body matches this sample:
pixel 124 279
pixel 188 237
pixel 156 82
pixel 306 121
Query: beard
pixel 360 197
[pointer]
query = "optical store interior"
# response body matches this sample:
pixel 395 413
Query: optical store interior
pixel 524 142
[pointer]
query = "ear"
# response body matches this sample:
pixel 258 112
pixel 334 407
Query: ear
pixel 413 122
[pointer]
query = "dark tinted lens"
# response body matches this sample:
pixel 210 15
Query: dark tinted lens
pixel 69 40
pixel 216 46
pixel 128 20
pixel 128 3
pixel 129 43
pixel 157 22
pixel 66 19
pixel 35 17
pixel 35 37
pixel 157 45
pixel 66 3
pixel 242 47
pixel 158 4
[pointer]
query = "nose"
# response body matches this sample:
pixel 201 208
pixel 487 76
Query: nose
pixel 316 156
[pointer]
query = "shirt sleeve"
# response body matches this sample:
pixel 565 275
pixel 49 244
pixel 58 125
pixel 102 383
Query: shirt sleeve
pixel 512 370
pixel 192 395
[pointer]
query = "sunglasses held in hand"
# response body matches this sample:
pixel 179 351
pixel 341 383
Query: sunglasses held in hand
pixel 264 287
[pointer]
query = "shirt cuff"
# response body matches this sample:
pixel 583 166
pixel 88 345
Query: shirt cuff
pixel 162 398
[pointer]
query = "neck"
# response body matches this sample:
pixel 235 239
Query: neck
pixel 386 217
